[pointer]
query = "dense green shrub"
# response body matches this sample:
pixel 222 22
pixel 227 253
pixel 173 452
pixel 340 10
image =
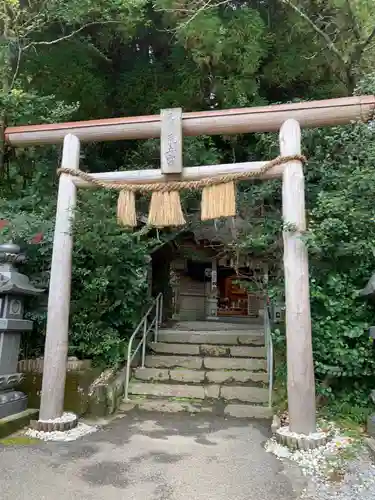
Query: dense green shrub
pixel 341 239
pixel 109 280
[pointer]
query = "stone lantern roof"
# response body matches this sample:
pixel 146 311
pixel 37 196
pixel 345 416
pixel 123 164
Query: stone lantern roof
pixel 11 281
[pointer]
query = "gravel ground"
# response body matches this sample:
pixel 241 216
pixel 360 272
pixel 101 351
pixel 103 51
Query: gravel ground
pixel 357 483
pixel 343 469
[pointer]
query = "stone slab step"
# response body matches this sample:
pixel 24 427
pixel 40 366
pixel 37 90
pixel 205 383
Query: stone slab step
pixel 243 351
pixel 255 337
pixel 247 394
pixel 199 376
pixel 169 406
pixel 248 411
pixel 205 363
pixel 232 376
pixel 165 375
pixel 218 325
pixel 244 393
pixel 166 348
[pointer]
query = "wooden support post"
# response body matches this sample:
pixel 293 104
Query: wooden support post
pixel 56 345
pixel 214 274
pixel 301 383
pixel 171 141
pixel 214 292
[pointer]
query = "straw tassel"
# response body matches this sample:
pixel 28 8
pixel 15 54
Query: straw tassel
pixel 165 209
pixel 126 213
pixel 218 201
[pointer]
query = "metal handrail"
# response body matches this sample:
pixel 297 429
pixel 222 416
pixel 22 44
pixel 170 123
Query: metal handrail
pixel 157 309
pixel 269 348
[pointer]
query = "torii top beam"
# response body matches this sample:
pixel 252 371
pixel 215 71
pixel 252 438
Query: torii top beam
pixel 329 112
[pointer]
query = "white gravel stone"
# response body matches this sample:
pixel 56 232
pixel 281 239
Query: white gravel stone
pixel 65 417
pixel 70 435
pixel 357 483
pixel 329 474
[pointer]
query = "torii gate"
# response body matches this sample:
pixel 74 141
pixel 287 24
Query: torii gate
pixel 285 118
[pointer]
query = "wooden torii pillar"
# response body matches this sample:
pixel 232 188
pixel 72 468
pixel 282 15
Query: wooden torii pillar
pixel 301 379
pixel 56 346
pixel 301 389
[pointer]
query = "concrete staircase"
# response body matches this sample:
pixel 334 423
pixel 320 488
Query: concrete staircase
pixel 204 367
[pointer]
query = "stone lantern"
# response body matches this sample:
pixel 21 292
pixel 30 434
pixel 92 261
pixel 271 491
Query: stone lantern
pixel 14 286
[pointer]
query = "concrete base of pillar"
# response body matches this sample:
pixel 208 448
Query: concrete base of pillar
pixel 371 446
pixel 371 426
pixel 65 423
pixel 211 307
pixel 301 442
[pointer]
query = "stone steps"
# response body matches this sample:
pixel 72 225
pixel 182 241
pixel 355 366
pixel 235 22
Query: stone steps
pixel 218 326
pixel 211 370
pixel 254 337
pixel 205 363
pixel 243 351
pixel 248 411
pixel 200 376
pixel 246 394
pixel 162 405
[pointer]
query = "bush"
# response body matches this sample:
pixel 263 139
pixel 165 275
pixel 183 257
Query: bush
pixel 109 276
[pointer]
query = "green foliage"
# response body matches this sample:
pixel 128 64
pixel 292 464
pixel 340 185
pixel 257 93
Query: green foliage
pixel 109 282
pixel 109 286
pixel 340 239
pixel 349 407
pixel 229 47
pixel 22 107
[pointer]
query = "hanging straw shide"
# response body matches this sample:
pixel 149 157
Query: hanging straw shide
pixel 165 209
pixel 126 213
pixel 218 201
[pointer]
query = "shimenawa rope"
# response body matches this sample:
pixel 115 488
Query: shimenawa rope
pixel 218 194
pixel 179 185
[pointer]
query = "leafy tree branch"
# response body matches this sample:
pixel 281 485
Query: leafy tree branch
pixel 327 39
pixel 66 37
